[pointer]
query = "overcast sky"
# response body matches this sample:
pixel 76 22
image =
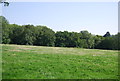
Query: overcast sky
pixel 96 17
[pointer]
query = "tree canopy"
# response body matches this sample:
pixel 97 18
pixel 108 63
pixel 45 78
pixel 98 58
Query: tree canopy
pixel 44 36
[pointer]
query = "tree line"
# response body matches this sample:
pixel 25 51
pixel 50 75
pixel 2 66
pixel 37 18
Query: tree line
pixel 44 36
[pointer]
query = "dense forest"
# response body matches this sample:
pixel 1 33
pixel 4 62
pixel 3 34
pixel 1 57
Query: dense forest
pixel 44 36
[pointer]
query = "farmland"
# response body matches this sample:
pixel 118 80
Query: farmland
pixel 40 62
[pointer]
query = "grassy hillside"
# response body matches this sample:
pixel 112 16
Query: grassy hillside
pixel 37 62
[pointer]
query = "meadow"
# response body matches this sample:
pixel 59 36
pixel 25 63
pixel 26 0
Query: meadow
pixel 40 62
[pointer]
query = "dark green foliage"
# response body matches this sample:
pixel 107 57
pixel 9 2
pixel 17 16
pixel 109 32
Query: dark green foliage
pixel 116 41
pixel 74 39
pixel 44 36
pixel 88 38
pixel 107 43
pixel 5 30
pixel 28 35
pixel 82 43
pixel 111 43
pixel 97 40
pixel 62 39
pixel 16 34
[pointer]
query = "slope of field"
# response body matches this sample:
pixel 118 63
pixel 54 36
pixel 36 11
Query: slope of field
pixel 38 62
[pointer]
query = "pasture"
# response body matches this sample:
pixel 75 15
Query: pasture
pixel 40 62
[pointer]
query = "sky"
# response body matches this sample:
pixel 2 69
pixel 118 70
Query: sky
pixel 95 17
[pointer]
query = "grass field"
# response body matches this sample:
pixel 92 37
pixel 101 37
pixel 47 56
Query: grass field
pixel 38 62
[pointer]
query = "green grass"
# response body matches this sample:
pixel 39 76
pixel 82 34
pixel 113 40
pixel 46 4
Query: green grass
pixel 38 62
